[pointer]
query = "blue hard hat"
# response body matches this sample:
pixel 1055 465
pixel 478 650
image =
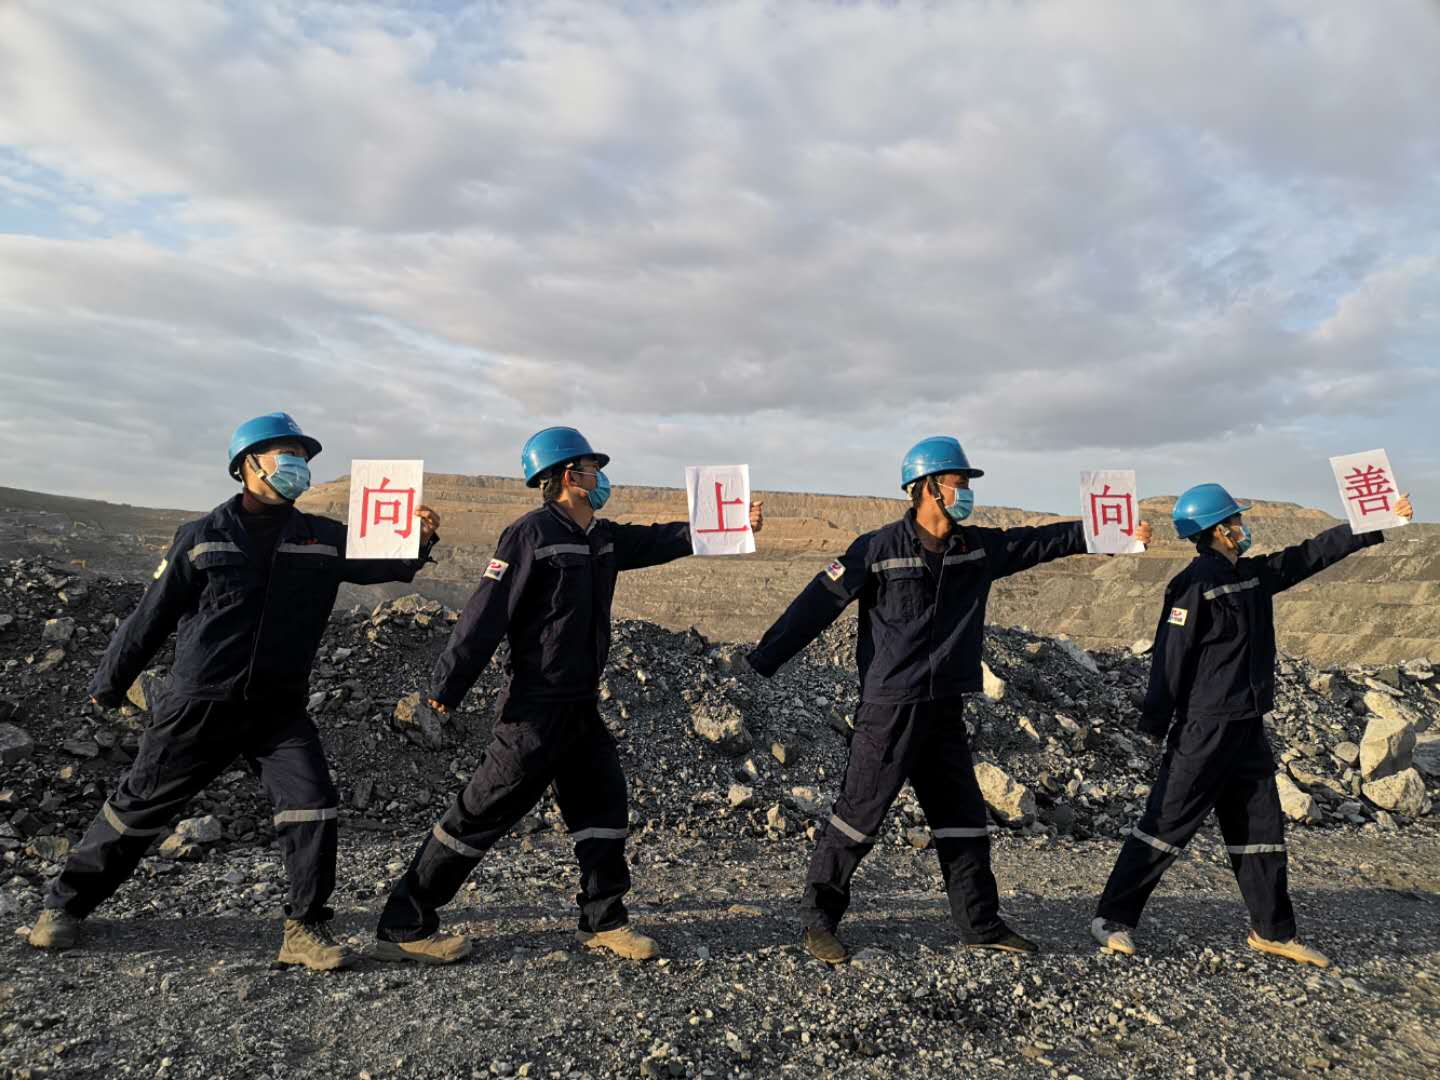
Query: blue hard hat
pixel 937 454
pixel 1203 507
pixel 263 429
pixel 554 446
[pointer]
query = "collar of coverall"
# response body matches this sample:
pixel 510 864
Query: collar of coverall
pixel 911 529
pixel 570 522
pixel 226 518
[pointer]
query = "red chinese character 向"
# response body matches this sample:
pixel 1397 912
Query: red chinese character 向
pixel 1112 509
pixel 720 503
pixel 1369 489
pixel 387 511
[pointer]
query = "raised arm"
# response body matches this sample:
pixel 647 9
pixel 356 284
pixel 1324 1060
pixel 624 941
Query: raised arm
pixel 172 592
pixel 483 623
pixel 1030 545
pixel 1288 568
pixel 639 546
pixel 817 606
pixel 379 571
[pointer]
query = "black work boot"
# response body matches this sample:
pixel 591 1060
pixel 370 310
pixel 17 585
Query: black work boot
pixel 823 945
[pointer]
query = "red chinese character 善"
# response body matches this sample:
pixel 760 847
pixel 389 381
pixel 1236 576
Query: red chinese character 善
pixel 387 511
pixel 1107 508
pixel 720 503
pixel 1369 489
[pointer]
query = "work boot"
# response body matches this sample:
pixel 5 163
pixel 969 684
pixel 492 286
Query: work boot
pixel 312 945
pixel 56 928
pixel 1009 941
pixel 823 945
pixel 438 948
pixel 1291 950
pixel 622 941
pixel 1113 936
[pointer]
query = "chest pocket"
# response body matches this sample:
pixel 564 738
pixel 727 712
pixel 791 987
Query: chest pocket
pixel 1232 608
pixel 906 590
pixel 226 573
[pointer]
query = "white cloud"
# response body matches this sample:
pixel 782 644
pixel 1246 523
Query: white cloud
pixel 1054 230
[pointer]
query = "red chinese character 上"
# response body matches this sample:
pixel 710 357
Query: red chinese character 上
pixel 720 503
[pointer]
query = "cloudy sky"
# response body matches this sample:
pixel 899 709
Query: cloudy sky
pixel 1200 240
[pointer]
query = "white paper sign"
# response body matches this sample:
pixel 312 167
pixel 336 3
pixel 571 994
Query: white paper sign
pixel 384 496
pixel 1110 507
pixel 719 497
pixel 1368 491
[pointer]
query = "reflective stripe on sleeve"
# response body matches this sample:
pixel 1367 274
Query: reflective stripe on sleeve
pixel 850 831
pixel 297 817
pixel 1223 590
pixel 1253 849
pixel 599 834
pixel 457 846
pixel 605 549
pixel 113 820
pixel 1157 844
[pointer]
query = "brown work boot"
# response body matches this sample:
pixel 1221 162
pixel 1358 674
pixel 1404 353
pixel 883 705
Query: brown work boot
pixel 622 941
pixel 1291 950
pixel 438 948
pixel 823 945
pixel 1112 936
pixel 312 945
pixel 56 928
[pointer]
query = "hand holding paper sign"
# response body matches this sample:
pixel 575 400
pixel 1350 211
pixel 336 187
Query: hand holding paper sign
pixel 1405 510
pixel 1369 493
pixel 1110 507
pixel 384 506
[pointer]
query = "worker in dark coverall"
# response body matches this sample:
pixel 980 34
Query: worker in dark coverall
pixel 1212 680
pixel 247 590
pixel 548 590
pixel 922 583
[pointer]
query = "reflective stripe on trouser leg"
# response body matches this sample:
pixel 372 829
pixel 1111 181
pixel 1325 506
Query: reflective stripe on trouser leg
pixel 590 791
pixel 187 745
pixel 881 753
pixel 946 788
pixel 517 767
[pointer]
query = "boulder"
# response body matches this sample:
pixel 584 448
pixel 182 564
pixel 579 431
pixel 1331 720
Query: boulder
pixel 1297 804
pixel 993 684
pixel 200 830
pixel 1403 792
pixel 142 691
pixel 1011 803
pixel 1142 646
pixel 721 725
pixel 1078 655
pixel 741 796
pixel 58 631
pixel 421 724
pixel 1348 752
pixel 15 744
pixel 1389 740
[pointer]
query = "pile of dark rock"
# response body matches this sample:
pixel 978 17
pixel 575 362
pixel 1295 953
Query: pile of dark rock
pixel 710 749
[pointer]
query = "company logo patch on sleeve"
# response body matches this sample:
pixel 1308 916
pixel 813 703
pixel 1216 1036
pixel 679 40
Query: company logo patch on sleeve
pixel 835 571
pixel 161 568
pixel 496 570
pixel 1178 616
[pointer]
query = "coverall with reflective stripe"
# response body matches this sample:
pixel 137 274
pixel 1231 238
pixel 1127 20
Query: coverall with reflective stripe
pixel 1212 679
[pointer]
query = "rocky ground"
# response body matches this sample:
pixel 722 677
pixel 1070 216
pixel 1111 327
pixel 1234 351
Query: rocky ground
pixel 729 775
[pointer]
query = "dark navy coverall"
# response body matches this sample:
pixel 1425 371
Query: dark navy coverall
pixel 246 637
pixel 1212 680
pixel 921 628
pixel 548 590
